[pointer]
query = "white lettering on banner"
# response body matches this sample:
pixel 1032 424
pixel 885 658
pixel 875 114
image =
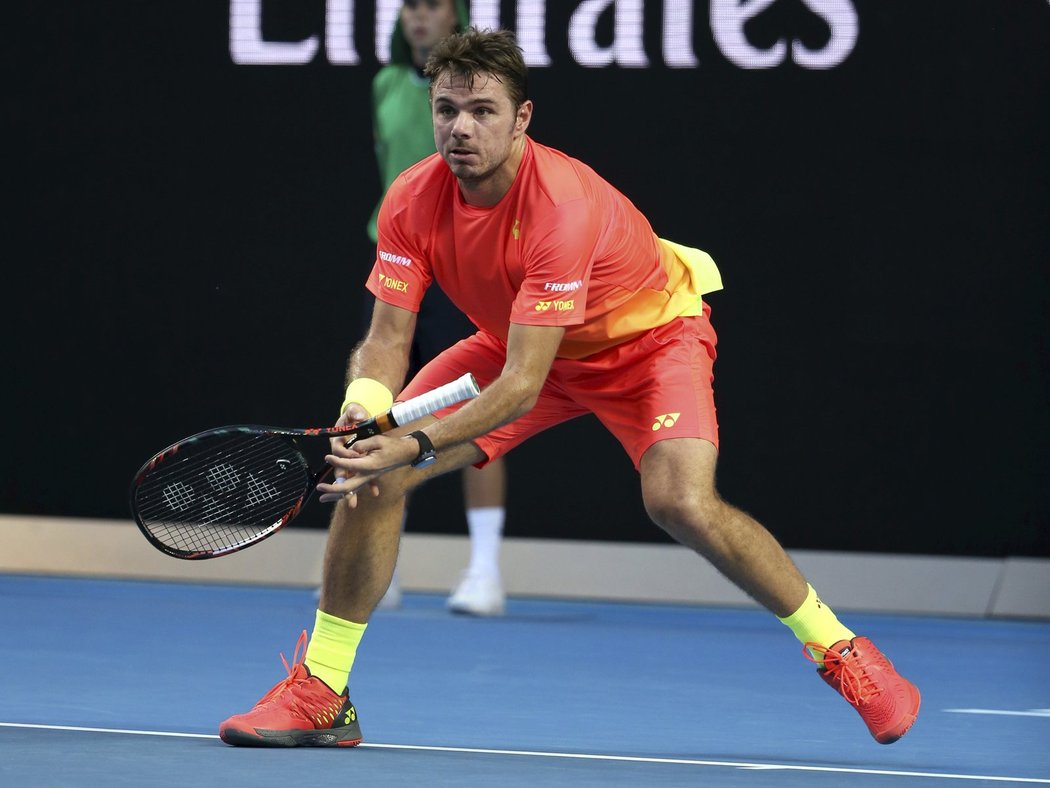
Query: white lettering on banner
pixel 247 47
pixel 531 26
pixel 729 16
pixel 387 12
pixel 396 259
pixel 627 49
pixel 841 17
pixel 339 33
pixel 532 33
pixel 678 34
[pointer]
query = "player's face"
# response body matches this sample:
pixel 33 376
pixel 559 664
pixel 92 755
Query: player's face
pixel 479 132
pixel 426 22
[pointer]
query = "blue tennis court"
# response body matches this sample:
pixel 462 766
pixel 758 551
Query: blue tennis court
pixel 124 683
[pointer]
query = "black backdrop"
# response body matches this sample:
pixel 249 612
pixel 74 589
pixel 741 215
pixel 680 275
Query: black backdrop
pixel 185 248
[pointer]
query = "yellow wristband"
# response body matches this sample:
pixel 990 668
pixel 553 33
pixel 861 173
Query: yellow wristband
pixel 370 394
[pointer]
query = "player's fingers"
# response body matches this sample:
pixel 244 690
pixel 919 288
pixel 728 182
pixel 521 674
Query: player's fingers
pixel 356 459
pixel 340 448
pixel 336 491
pixel 356 413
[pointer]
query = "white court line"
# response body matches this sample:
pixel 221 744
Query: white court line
pixel 1007 712
pixel 584 756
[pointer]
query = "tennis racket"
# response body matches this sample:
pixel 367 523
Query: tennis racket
pixel 225 489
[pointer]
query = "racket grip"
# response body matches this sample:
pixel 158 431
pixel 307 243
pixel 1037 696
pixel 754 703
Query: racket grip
pixel 465 387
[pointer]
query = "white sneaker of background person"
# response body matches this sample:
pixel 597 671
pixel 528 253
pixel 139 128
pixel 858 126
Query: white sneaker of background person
pixel 480 590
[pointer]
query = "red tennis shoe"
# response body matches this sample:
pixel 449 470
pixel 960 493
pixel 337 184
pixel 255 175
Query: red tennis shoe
pixel 300 711
pixel 886 701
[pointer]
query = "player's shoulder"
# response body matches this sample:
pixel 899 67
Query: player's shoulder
pixel 561 177
pixel 420 183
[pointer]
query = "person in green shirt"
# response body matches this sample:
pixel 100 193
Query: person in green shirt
pixel 404 135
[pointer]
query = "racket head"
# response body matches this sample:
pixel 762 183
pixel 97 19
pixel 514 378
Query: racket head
pixel 221 490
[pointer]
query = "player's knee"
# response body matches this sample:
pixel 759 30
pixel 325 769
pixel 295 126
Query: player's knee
pixel 692 518
pixel 398 483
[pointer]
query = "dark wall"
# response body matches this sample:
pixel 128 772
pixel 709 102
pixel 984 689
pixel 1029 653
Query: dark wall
pixel 185 248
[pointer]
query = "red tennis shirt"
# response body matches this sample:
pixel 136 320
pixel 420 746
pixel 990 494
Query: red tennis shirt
pixel 561 248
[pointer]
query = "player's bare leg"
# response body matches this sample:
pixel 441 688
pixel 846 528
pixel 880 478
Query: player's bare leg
pixel 363 541
pixel 360 555
pixel 678 487
pixel 312 707
pixel 678 483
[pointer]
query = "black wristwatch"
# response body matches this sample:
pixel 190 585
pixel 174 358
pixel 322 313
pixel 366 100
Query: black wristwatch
pixel 427 455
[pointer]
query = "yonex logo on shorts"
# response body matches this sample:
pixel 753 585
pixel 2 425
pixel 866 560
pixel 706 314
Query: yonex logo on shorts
pixel 665 420
pixel 396 259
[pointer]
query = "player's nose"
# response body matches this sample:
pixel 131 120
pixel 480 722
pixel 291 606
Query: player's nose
pixel 463 125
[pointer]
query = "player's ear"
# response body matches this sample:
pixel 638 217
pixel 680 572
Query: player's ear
pixel 524 117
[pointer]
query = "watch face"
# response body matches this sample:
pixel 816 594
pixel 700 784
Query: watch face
pixel 424 461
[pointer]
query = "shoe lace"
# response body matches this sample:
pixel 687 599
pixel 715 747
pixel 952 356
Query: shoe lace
pixel 319 710
pixel 292 670
pixel 858 685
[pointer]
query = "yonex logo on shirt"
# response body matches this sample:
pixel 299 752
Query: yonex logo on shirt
pixel 558 306
pixel 393 284
pixel 396 259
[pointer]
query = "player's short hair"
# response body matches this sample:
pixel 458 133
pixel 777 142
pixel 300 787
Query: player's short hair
pixel 475 52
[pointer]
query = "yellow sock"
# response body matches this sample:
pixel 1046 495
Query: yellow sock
pixel 815 622
pixel 332 649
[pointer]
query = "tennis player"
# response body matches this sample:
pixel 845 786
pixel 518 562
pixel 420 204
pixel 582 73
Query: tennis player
pixel 580 308
pixel 404 135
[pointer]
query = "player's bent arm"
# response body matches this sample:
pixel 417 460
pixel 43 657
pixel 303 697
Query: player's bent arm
pixel 383 354
pixel 530 352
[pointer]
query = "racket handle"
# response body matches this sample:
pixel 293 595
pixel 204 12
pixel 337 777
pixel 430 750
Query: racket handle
pixel 449 394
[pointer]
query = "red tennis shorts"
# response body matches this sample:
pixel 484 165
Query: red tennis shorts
pixel 654 387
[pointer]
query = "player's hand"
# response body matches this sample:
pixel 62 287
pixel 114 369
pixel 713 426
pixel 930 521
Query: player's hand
pixel 362 463
pixel 352 416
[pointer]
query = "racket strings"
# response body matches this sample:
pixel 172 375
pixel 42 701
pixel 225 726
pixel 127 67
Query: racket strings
pixel 196 454
pixel 221 494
